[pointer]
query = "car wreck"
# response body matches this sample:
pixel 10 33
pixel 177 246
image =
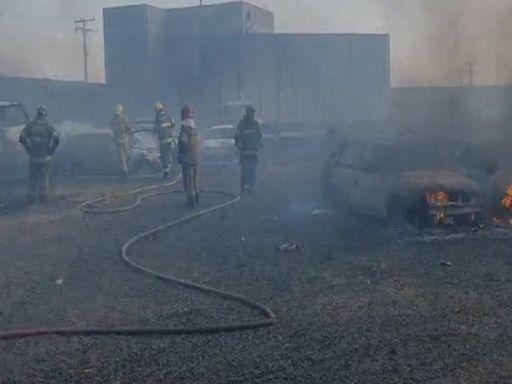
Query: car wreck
pixel 79 140
pixel 416 183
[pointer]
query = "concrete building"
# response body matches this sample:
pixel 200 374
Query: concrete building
pixel 213 55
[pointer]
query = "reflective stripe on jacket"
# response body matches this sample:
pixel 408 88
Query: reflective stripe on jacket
pixel 164 126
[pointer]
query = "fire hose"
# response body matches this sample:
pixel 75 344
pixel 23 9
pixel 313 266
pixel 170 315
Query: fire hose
pixel 268 319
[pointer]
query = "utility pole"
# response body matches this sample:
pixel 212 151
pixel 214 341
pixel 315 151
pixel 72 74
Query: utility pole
pixel 81 26
pixel 470 69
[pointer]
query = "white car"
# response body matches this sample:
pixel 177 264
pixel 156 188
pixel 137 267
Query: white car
pixel 219 143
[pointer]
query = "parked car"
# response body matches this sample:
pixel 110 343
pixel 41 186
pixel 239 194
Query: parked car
pixel 219 143
pixel 145 154
pixel 13 118
pixel 419 183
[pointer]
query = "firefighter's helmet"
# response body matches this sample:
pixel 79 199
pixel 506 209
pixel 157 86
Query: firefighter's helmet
pixel 187 112
pixel 249 109
pixel 42 111
pixel 159 106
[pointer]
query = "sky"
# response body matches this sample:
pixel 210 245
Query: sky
pixel 433 42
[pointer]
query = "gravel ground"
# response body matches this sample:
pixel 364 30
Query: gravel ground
pixel 359 303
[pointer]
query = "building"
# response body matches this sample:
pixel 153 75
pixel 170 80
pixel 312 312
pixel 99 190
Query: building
pixel 210 56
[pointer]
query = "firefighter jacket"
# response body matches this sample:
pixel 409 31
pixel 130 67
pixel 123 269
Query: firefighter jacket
pixel 164 127
pixel 121 128
pixel 40 139
pixel 248 137
pixel 189 146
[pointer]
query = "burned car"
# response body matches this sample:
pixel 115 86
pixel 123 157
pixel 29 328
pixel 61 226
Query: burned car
pixel 84 149
pixel 417 183
pixel 13 117
pixel 89 150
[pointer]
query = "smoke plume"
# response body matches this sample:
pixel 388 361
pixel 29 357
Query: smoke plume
pixel 449 42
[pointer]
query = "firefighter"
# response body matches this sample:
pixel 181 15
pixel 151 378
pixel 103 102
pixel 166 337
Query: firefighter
pixel 189 155
pixel 249 142
pixel 164 128
pixel 40 140
pixel 123 134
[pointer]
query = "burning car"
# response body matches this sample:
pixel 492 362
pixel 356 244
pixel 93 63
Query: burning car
pixel 418 183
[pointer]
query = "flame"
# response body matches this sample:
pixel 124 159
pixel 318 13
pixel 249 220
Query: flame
pixel 506 202
pixel 441 198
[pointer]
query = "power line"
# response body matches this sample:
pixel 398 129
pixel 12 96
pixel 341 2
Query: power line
pixel 81 26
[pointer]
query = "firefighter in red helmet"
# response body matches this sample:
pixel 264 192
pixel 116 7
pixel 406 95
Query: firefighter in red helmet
pixel 189 155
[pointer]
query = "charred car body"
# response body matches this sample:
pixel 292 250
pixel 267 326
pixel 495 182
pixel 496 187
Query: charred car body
pixel 419 183
pixel 13 118
pixel 84 149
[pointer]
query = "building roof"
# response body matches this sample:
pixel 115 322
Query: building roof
pixel 217 5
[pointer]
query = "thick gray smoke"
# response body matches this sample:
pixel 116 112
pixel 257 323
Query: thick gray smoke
pixel 433 42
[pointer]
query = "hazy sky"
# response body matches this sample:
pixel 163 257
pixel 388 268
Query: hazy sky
pixel 432 40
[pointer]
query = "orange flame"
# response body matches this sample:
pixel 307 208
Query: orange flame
pixel 506 202
pixel 440 198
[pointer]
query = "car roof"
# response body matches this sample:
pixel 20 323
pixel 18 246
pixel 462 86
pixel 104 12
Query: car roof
pixel 222 127
pixel 9 104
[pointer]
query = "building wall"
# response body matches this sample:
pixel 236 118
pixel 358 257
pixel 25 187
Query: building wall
pixel 318 78
pixel 65 100
pixel 126 35
pixel 171 54
pixel 257 20
pixel 211 55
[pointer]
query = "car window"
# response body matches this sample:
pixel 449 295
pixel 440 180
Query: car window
pixel 12 116
pixel 410 158
pixel 349 157
pixel 227 133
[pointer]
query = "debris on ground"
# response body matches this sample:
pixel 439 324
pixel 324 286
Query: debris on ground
pixel 445 263
pixel 59 281
pixel 456 236
pixel 290 247
pixel 320 211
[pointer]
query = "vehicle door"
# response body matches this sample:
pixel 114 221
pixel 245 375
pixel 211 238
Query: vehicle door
pixel 345 176
pixel 13 119
pixel 374 180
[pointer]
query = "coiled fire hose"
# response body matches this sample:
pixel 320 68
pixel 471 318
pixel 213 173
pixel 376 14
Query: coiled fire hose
pixel 268 319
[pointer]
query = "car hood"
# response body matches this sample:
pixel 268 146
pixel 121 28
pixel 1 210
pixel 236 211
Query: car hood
pixel 219 143
pixel 439 180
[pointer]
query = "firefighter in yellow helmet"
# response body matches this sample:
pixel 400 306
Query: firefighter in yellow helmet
pixel 123 134
pixel 40 140
pixel 164 128
pixel 189 155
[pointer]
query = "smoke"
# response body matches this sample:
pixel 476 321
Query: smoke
pixel 433 42
pixel 446 40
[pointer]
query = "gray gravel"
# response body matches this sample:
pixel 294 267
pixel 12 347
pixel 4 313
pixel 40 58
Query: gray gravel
pixel 356 305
